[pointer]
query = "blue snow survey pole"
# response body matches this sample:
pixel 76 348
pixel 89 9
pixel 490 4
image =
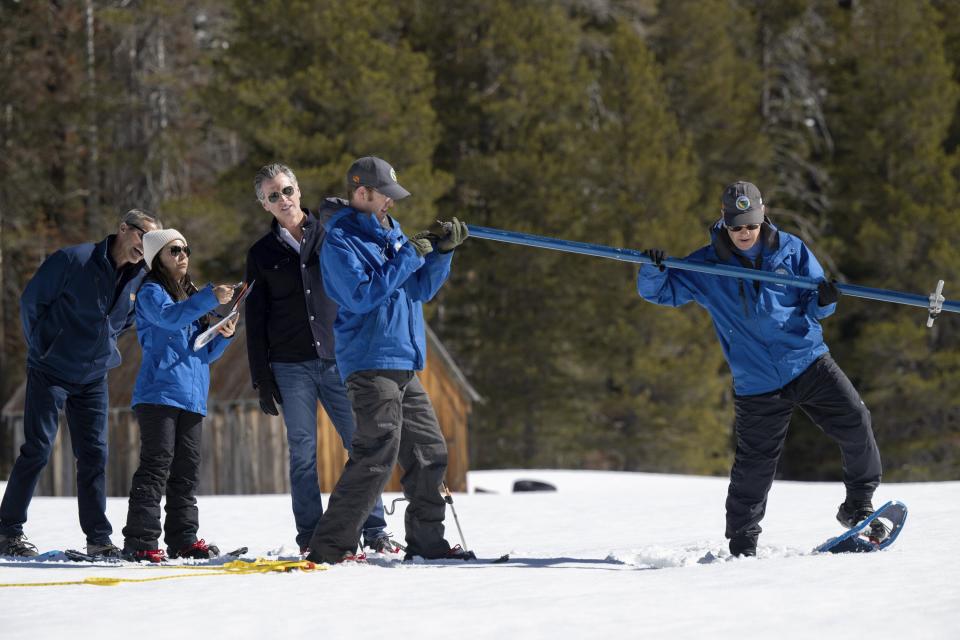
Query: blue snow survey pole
pixel 934 303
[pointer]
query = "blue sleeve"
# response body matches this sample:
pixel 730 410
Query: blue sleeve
pixel 360 287
pixel 156 306
pixel 809 266
pixel 131 318
pixel 669 287
pixel 215 348
pixel 44 287
pixel 424 284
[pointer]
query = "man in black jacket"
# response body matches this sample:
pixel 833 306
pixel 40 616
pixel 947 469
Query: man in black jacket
pixel 72 310
pixel 290 346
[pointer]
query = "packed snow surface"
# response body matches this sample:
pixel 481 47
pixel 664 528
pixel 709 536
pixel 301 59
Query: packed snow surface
pixel 606 555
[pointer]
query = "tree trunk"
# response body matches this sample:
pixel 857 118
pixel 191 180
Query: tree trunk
pixel 93 143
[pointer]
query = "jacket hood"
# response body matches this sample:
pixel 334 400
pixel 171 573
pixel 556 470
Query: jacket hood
pixel 329 207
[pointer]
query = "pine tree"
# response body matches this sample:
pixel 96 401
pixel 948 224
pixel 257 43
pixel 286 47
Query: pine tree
pixel 659 374
pixel 893 99
pixel 792 38
pixel 512 96
pixel 316 86
pixel 42 203
pixel 715 83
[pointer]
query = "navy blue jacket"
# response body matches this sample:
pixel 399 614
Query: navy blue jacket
pixel 380 283
pixel 73 309
pixel 171 372
pixel 288 314
pixel 770 333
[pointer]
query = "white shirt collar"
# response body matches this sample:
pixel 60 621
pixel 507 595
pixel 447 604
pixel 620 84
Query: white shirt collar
pixel 289 239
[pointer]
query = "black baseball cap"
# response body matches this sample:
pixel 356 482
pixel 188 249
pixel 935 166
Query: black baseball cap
pixel 375 173
pixel 741 204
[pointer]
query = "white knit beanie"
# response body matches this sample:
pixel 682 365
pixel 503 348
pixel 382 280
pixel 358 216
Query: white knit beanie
pixel 153 241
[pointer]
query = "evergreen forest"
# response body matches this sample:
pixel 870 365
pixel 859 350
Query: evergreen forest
pixel 616 122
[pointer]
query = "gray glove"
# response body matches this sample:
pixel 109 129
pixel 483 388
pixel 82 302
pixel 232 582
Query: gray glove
pixel 453 235
pixel 421 244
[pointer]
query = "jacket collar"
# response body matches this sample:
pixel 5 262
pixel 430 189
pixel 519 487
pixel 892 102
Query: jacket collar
pixel 102 251
pixel 368 224
pixel 724 249
pixel 308 222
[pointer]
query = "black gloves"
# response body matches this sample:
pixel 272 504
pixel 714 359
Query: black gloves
pixel 658 256
pixel 269 397
pixel 827 293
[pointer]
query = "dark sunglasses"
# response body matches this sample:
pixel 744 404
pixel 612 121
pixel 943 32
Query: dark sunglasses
pixel 140 230
pixel 287 191
pixel 741 227
pixel 176 249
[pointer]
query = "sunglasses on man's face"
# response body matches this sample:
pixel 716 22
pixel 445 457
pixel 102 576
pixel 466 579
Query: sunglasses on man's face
pixel 741 227
pixel 140 230
pixel 176 249
pixel 286 191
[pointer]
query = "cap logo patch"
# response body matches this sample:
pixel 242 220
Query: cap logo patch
pixel 743 203
pixel 356 179
pixel 393 174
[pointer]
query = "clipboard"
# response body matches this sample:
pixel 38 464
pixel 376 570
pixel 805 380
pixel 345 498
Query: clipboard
pixel 204 338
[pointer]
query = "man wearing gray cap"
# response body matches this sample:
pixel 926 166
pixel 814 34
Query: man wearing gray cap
pixel 380 279
pixel 290 345
pixel 772 339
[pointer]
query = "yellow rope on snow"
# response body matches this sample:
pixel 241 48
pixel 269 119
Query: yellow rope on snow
pixel 235 567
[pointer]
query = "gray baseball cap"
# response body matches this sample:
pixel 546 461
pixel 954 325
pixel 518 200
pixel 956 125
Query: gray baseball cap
pixel 375 173
pixel 741 204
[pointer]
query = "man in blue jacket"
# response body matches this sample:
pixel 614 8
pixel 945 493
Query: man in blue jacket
pixel 72 310
pixel 380 280
pixel 290 345
pixel 771 337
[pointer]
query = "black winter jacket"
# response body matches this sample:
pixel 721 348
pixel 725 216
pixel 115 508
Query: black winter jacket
pixel 288 314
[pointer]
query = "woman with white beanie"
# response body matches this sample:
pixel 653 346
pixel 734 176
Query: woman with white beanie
pixel 170 400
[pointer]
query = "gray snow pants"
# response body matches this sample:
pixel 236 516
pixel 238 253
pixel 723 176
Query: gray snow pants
pixel 825 393
pixel 395 423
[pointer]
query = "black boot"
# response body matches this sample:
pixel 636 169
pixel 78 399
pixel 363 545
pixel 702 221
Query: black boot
pixel 453 553
pixel 744 545
pixel 17 546
pixel 853 512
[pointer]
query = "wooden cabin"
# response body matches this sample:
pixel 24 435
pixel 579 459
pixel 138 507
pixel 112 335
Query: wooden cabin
pixel 244 450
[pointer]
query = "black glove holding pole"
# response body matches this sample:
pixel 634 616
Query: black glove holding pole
pixel 658 256
pixel 827 293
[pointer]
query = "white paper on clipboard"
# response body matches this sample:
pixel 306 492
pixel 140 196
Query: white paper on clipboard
pixel 212 333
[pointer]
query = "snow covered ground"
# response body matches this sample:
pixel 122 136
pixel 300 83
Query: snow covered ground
pixel 608 555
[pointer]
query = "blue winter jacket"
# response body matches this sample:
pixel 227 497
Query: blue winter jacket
pixel 380 283
pixel 171 372
pixel 73 309
pixel 770 333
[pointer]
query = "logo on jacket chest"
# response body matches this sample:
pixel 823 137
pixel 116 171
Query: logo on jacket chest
pixel 781 271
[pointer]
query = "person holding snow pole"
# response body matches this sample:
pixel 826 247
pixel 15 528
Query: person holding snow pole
pixel 290 345
pixel 380 279
pixel 170 400
pixel 773 342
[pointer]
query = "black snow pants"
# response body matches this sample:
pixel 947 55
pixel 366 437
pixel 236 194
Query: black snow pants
pixel 828 397
pixel 395 423
pixel 169 462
